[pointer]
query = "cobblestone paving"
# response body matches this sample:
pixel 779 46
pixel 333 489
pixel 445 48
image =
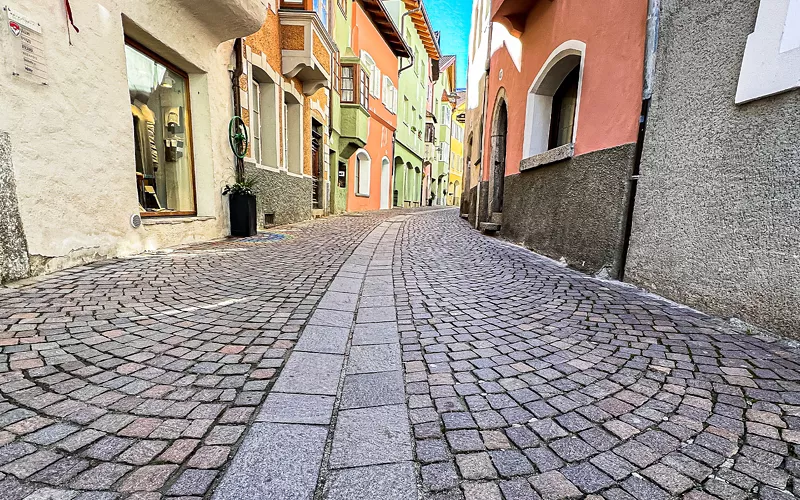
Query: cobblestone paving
pixel 528 380
pixel 140 378
pixel 137 378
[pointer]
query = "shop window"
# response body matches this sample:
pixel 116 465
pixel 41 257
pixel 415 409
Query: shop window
pixel 263 119
pixel 161 134
pixel 363 170
pixel 292 134
pixel 554 100
pixel 355 85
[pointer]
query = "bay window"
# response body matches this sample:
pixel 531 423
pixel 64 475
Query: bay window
pixel 355 85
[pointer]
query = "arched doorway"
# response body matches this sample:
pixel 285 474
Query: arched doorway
pixel 399 181
pixel 498 165
pixel 385 181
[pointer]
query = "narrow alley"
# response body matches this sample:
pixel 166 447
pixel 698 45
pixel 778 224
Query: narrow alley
pixel 390 355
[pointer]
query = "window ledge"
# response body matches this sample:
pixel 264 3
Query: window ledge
pixel 550 156
pixel 157 221
pixel 362 195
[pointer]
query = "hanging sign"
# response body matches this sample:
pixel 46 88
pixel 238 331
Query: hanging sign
pixel 27 47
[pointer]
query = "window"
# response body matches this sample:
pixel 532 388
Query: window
pixel 445 115
pixel 255 121
pixel 364 95
pixel 348 83
pixel 405 110
pixel 562 120
pixel 337 75
pixel 430 132
pixel 389 94
pixel 355 88
pixel 264 119
pixel 321 8
pixel 292 134
pixel 374 74
pixel 161 134
pixel 553 105
pixel 363 169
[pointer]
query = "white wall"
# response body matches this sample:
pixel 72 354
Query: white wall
pixel 72 139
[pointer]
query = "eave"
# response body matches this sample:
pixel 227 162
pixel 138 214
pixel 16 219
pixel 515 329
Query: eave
pixel 388 30
pixel 512 14
pixel 423 26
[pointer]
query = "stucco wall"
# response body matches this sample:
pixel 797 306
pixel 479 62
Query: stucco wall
pixel 13 247
pixel 717 217
pixel 573 209
pixel 73 138
pixel 610 94
pixel 287 196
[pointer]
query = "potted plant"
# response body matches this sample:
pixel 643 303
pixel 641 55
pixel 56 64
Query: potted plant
pixel 243 207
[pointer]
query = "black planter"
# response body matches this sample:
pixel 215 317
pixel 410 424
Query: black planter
pixel 243 214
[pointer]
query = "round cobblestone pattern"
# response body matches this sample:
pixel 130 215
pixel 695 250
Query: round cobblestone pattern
pixel 136 378
pixel 527 380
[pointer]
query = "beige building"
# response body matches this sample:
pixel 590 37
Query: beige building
pixel 114 139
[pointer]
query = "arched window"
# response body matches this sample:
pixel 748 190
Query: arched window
pixel 363 167
pixel 551 118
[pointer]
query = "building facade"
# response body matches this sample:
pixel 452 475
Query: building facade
pixel 378 43
pixel 443 104
pixel 409 146
pixel 145 144
pixel 716 222
pixel 456 178
pixel 557 181
pixel 285 95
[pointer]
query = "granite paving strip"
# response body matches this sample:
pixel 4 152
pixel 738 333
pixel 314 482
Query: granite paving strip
pixel 330 389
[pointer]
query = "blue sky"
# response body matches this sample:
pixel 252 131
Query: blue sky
pixel 452 18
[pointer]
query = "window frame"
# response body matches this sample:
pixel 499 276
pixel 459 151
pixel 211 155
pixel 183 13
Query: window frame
pixel 189 128
pixel 255 120
pixel 359 96
pixel 358 174
pixel 573 78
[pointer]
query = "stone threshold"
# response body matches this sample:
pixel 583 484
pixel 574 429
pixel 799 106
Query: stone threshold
pixel 335 424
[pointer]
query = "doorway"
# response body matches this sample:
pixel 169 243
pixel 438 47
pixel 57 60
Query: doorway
pixel 499 131
pixel 316 164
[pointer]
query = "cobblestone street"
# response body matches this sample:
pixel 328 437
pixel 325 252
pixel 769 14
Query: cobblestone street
pixel 396 355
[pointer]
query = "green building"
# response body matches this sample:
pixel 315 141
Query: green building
pixel 415 75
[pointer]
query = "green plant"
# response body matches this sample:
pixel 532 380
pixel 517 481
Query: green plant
pixel 244 187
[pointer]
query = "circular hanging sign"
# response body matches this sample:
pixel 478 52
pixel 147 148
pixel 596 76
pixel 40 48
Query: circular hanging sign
pixel 237 137
pixel 15 28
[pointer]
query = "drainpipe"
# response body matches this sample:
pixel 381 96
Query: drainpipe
pixel 402 32
pixel 238 70
pixel 651 49
pixel 485 106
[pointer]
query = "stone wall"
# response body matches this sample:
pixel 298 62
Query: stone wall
pixel 287 196
pixel 573 209
pixel 13 247
pixel 717 216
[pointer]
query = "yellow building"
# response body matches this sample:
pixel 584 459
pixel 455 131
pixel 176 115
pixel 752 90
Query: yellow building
pixel 456 183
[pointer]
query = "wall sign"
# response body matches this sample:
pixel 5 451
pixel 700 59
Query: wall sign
pixel 27 47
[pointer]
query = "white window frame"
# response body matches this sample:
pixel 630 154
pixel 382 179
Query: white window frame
pixel 255 121
pixel 540 97
pixel 374 74
pixel 363 172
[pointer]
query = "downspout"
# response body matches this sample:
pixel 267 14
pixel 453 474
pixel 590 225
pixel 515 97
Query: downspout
pixel 651 49
pixel 485 107
pixel 238 70
pixel 402 31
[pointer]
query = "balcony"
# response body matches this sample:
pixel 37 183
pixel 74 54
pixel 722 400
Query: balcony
pixel 355 129
pixel 306 46
pixel 228 19
pixel 512 14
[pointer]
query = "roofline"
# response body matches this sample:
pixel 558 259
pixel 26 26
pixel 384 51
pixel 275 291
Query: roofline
pixel 398 46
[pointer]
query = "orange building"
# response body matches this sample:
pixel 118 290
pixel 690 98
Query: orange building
pixel 561 122
pixel 370 168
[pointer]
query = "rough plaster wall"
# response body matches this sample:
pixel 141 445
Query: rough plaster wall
pixel 572 209
pixel 287 196
pixel 717 217
pixel 13 247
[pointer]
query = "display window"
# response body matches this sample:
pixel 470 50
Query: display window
pixel 159 95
